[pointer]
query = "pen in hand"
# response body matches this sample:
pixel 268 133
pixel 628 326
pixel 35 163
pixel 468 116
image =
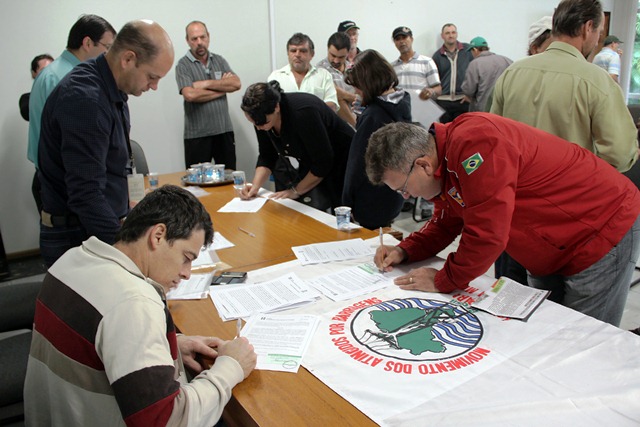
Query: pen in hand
pixel 382 250
pixel 238 327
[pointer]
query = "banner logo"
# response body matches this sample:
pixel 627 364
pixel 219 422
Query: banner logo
pixel 415 329
pixel 409 335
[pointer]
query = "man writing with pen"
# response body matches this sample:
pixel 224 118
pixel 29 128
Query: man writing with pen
pixel 104 344
pixel 502 185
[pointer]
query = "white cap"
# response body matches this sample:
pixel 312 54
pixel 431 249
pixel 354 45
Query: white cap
pixel 539 27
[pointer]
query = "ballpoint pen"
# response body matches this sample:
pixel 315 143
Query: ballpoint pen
pixel 238 327
pixel 382 246
pixel 246 232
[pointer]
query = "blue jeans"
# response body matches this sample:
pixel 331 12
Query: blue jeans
pixel 600 291
pixel 55 241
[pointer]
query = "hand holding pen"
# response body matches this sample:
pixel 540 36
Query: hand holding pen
pixel 383 252
pixel 387 256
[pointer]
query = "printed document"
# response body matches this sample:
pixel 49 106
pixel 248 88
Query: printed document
pixel 244 300
pixel 332 251
pixel 352 282
pixel 280 340
pixel 508 298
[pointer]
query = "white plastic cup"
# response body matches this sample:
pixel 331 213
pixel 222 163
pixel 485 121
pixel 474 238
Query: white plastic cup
pixel 199 174
pixel 343 217
pixel 218 172
pixel 208 172
pixel 153 180
pixel 193 175
pixel 239 180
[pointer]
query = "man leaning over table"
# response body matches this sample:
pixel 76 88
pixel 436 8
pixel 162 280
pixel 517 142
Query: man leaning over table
pixel 502 184
pixel 84 150
pixel 105 350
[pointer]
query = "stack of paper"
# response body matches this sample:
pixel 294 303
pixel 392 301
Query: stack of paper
pixel 352 282
pixel 332 251
pixel 197 287
pixel 236 301
pixel 280 340
pixel 508 298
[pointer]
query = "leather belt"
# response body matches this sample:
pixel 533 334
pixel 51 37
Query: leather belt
pixel 68 220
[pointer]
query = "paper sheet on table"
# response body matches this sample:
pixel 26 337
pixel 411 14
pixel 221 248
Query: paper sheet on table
pixel 316 214
pixel 197 287
pixel 332 251
pixel 239 205
pixel 508 298
pixel 220 242
pixel 207 255
pixel 354 281
pixel 196 191
pixel 280 340
pixel 234 301
pixel 424 112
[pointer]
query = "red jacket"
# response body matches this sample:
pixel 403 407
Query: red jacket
pixel 554 206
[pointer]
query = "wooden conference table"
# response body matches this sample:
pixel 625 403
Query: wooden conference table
pixel 266 398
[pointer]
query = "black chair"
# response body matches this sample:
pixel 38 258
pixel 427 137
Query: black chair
pixel 17 309
pixel 139 158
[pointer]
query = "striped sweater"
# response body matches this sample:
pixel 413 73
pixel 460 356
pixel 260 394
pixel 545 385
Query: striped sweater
pixel 104 350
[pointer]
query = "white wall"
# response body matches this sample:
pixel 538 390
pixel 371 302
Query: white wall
pixel 240 32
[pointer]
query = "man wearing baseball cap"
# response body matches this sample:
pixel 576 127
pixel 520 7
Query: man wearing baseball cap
pixel 540 35
pixel 482 73
pixel 353 32
pixel 609 57
pixel 415 72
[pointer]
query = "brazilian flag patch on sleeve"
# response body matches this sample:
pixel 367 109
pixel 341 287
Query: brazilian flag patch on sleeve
pixel 472 163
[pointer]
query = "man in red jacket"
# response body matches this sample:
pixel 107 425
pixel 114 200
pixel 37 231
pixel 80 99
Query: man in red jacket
pixel 567 216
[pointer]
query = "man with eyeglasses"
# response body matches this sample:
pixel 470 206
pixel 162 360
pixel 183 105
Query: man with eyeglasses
pixel 89 37
pixel 501 184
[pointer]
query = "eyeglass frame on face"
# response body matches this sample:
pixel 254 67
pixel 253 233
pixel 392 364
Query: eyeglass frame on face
pixel 403 192
pixel 106 46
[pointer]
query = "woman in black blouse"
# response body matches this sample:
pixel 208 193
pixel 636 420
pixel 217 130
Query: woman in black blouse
pixel 301 141
pixel 376 82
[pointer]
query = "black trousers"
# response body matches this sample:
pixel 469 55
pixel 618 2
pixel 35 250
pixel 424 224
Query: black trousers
pixel 452 109
pixel 218 149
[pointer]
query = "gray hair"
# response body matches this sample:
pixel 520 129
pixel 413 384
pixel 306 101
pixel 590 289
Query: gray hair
pixel 394 146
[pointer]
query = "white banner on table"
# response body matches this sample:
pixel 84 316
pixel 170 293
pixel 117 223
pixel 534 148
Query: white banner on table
pixel 408 358
pixel 280 340
pixel 393 350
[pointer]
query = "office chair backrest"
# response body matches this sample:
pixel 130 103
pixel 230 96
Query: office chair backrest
pixel 139 158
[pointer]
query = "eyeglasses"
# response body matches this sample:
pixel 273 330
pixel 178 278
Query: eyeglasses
pixel 106 46
pixel 403 192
